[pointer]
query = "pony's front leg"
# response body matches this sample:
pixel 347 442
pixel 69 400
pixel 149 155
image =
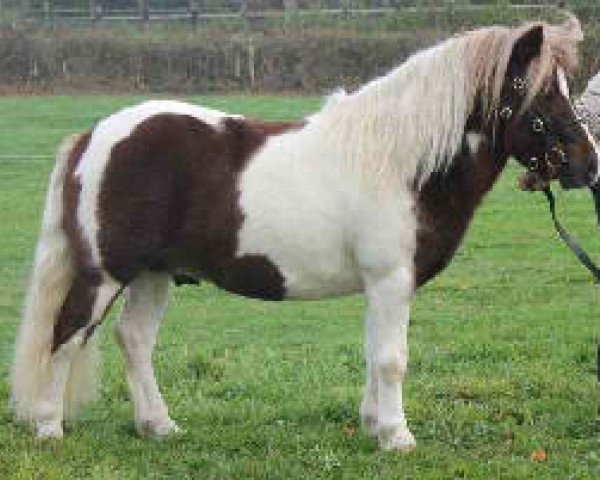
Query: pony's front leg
pixel 368 406
pixel 388 297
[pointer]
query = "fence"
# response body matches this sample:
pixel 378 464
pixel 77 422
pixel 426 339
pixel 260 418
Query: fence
pixel 252 15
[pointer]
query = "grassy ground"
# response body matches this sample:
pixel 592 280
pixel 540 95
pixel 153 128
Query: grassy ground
pixel 501 365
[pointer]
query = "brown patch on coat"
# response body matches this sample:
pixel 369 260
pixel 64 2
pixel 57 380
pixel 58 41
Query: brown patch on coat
pixel 268 129
pixel 169 202
pixel 71 190
pixel 76 311
pixel 77 308
pixel 445 207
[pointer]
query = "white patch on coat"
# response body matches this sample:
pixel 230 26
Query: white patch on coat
pixel 297 211
pixel 104 137
pixel 324 227
pixel 563 84
pixel 474 141
pixel 343 183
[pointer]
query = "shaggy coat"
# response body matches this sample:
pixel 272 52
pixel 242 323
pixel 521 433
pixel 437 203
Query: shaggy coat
pixel 371 194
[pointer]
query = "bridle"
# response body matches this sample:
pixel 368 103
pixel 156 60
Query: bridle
pixel 554 160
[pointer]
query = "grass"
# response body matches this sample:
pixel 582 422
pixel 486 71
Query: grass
pixel 501 350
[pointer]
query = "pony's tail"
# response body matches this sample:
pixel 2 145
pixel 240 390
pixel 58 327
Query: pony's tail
pixel 50 281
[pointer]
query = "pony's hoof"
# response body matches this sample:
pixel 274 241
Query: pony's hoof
pixel 158 429
pixel 401 440
pixel 48 430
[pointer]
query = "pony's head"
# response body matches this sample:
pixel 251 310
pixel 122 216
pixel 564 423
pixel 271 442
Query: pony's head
pixel 528 103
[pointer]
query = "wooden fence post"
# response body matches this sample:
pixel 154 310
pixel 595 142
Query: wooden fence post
pixel 244 15
pixel 95 11
pixel 144 13
pixel 49 13
pixel 194 9
pixel 346 4
pixel 251 62
pixel 25 8
pixel 290 7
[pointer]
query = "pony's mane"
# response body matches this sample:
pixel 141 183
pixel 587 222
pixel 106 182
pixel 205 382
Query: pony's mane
pixel 406 125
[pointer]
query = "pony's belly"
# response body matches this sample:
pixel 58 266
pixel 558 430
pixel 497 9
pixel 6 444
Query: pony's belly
pixel 317 269
pixel 320 266
pixel 312 285
pixel 256 276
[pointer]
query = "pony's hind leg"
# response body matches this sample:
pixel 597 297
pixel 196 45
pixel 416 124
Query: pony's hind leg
pixel 89 297
pixel 145 301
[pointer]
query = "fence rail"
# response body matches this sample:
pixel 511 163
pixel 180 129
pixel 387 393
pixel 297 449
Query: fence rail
pixel 50 15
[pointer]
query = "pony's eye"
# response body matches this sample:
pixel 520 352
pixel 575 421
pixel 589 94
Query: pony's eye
pixel 537 125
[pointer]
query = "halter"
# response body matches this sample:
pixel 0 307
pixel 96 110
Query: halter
pixel 554 159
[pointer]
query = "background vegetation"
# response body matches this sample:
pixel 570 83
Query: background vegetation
pixel 269 46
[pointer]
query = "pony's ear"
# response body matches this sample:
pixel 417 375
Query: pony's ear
pixel 572 27
pixel 527 47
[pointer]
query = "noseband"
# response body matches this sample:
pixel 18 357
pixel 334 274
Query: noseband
pixel 554 160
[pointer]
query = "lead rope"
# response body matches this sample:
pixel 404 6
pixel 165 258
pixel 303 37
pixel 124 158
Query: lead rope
pixel 580 253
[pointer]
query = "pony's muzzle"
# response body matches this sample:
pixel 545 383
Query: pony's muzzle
pixel 571 177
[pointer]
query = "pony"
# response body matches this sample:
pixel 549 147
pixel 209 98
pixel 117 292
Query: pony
pixel 371 194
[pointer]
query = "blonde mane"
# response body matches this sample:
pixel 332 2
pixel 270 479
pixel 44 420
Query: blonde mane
pixel 489 49
pixel 400 128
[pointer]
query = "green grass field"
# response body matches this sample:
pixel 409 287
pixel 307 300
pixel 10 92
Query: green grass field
pixel 501 350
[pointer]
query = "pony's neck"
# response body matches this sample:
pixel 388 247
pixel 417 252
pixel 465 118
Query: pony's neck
pixel 402 127
pixel 447 202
